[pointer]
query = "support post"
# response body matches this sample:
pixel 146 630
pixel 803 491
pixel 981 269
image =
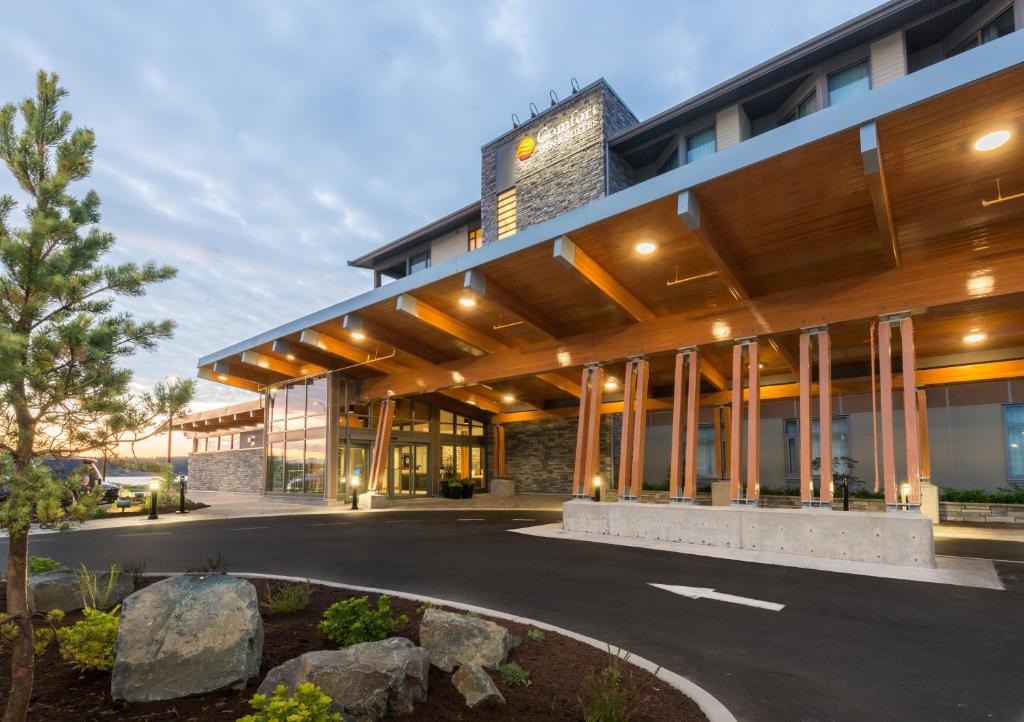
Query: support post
pixel 716 423
pixel 825 417
pixel 499 451
pixel 922 425
pixel 581 436
pixel 381 444
pixel 735 430
pixel 692 425
pixel 753 425
pixel 806 477
pixel 679 406
pixel 910 421
pixel 593 457
pixel 639 426
pixel 626 436
pixel 885 386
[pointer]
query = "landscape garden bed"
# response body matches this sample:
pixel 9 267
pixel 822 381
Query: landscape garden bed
pixel 558 667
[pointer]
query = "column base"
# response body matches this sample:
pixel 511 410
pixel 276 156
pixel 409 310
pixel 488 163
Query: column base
pixel 682 500
pixel 744 502
pixel 582 497
pixel 822 505
pixel 629 497
pixel 904 507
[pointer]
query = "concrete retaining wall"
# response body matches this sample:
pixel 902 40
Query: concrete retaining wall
pixel 903 539
pixel 239 470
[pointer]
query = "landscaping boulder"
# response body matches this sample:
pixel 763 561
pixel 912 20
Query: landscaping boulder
pixel 453 639
pixel 365 681
pixel 475 685
pixel 187 635
pixel 60 589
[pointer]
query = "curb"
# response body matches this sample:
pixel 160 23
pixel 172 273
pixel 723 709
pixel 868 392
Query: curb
pixel 712 708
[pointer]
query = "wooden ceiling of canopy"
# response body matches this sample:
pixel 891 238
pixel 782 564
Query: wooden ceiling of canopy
pixel 795 221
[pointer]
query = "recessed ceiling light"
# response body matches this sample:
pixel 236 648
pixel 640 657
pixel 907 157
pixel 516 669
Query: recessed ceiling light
pixel 611 385
pixel 222 377
pixel 467 301
pixel 508 399
pixel 991 141
pixel 358 336
pixel 645 248
pixel 290 357
pixel 975 337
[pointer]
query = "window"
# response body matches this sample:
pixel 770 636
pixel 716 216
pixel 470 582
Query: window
pixel 706 450
pixel 700 145
pixel 848 83
pixel 840 445
pixel 476 238
pixel 804 108
pixel 506 213
pixel 1002 25
pixel 1013 423
pixel 419 262
pixel 296 437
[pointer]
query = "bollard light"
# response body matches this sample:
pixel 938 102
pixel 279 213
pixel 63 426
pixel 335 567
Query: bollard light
pixel 597 488
pixel 905 492
pixel 355 492
pixel 154 490
pixel 181 495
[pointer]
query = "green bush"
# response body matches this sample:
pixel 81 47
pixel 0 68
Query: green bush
pixel 353 621
pixel 286 598
pixel 513 675
pixel 607 696
pixel 308 704
pixel 535 635
pixel 41 565
pixel 980 496
pixel 89 643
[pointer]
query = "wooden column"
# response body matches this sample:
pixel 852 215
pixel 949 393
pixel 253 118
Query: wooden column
pixel 679 412
pixel 381 445
pixel 716 422
pixel 639 426
pixel 805 421
pixel 593 467
pixel 825 416
pixel 499 451
pixel 727 440
pixel 692 424
pixel 753 424
pixel 910 422
pixel 581 436
pixel 626 437
pixel 922 425
pixel 885 390
pixel 735 427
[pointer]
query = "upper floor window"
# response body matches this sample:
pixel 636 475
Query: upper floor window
pixel 1013 424
pixel 419 262
pixel 700 145
pixel 1002 25
pixel 804 108
pixel 848 83
pixel 507 213
pixel 840 445
pixel 476 238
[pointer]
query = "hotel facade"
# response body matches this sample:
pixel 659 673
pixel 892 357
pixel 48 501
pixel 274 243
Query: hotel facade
pixel 821 258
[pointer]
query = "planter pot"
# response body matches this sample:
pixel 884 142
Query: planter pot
pixel 467 492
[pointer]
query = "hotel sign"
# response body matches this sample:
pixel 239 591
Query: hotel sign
pixel 552 136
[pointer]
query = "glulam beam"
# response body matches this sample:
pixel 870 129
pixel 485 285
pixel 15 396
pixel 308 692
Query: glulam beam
pixel 289 369
pixel 874 175
pixel 482 286
pixel 348 353
pixel 424 312
pixel 573 257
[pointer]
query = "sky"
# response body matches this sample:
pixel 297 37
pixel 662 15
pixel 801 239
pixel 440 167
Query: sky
pixel 257 146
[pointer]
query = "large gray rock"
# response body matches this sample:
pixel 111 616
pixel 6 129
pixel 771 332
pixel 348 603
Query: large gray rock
pixel 60 589
pixel 453 639
pixel 475 685
pixel 365 681
pixel 186 635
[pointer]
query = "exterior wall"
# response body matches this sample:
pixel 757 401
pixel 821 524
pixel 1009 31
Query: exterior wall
pixel 888 59
pixel 240 470
pixel 449 245
pixel 568 167
pixel 539 455
pixel 731 127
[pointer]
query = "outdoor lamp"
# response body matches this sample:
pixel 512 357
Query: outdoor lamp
pixel 181 495
pixel 355 491
pixel 154 489
pixel 597 488
pixel 905 491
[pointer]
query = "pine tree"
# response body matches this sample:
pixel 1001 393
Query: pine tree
pixel 61 339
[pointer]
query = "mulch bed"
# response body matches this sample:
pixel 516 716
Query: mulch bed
pixel 557 665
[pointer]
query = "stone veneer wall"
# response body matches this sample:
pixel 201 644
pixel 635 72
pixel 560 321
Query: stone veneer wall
pixel 539 455
pixel 239 470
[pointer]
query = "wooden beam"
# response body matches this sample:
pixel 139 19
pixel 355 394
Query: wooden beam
pixel 431 316
pixel 713 376
pixel 349 353
pixel 572 256
pixel 408 352
pixel 478 400
pixel 934 282
pixel 561 382
pixel 285 368
pixel 874 174
pixel 260 377
pixel 480 285
pixel 308 356
pixel 688 208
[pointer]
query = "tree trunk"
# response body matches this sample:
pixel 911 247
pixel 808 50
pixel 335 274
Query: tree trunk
pixel 22 662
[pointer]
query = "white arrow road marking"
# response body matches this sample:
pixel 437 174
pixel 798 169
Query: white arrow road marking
pixel 706 593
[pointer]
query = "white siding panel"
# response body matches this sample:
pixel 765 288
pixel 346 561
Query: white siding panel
pixel 888 59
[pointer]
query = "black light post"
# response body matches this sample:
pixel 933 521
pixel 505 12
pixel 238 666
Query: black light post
pixel 154 490
pixel 181 495
pixel 355 492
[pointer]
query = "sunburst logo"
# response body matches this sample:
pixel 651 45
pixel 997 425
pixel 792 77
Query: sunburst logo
pixel 525 148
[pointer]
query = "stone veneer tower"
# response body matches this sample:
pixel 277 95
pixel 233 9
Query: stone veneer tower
pixel 557 161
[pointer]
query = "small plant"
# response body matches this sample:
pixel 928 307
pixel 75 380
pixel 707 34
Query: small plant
pixel 211 566
pixel 608 696
pixel 535 635
pixel 286 598
pixel 422 609
pixel 513 675
pixel 136 570
pixel 308 704
pixel 44 636
pixel 352 621
pixel 89 643
pixel 42 565
pixel 94 595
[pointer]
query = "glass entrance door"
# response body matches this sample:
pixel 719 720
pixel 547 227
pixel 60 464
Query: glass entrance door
pixel 410 469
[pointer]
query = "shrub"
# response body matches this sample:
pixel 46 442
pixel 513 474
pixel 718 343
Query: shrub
pixel 535 634
pixel 513 675
pixel 286 598
pixel 95 596
pixel 352 621
pixel 45 635
pixel 89 643
pixel 41 565
pixel 607 696
pixel 980 496
pixel 308 704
